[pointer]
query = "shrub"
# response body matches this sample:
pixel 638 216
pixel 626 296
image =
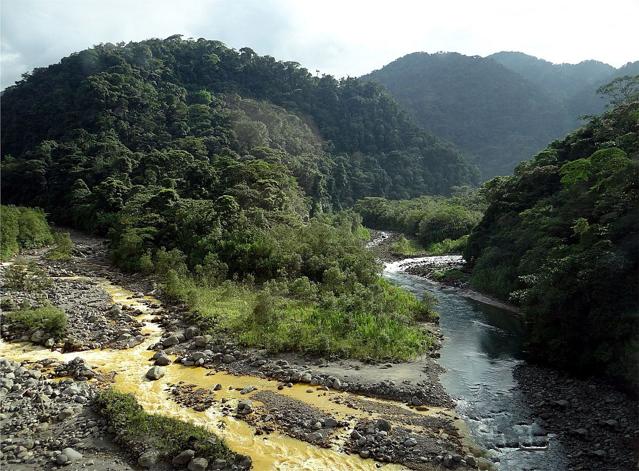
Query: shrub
pixel 26 276
pixel 33 231
pixel 8 231
pixel 63 247
pixel 48 318
pixel 22 228
pixel 139 431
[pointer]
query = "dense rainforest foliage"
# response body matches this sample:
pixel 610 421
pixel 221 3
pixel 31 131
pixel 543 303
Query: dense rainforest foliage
pixel 22 228
pixel 204 164
pixel 113 105
pixel 500 109
pixel 430 219
pixel 561 239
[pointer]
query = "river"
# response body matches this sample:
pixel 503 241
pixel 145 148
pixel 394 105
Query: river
pixel 482 346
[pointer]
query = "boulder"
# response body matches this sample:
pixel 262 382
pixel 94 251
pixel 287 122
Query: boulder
pixel 198 464
pixel 191 332
pixel 183 458
pixel 155 373
pixel 244 408
pixel 201 341
pixel 72 455
pixel 162 359
pixel 170 341
pixel 148 459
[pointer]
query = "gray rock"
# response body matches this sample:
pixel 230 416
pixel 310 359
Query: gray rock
pixel 170 341
pixel 155 373
pixel 244 407
pixel 228 358
pixel 72 455
pixel 148 459
pixel 248 389
pixel 330 422
pixel 65 414
pixel 198 464
pixel 162 359
pixel 183 458
pixel 201 341
pixel 410 442
pixel 306 378
pixel 191 332
pixel 382 424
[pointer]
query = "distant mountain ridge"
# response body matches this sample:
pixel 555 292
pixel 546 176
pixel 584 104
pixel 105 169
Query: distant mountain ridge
pixel 499 109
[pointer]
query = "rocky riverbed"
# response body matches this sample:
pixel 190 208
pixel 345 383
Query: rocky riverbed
pixel 331 412
pixel 47 424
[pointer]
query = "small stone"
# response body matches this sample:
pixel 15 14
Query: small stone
pixel 382 424
pixel 410 442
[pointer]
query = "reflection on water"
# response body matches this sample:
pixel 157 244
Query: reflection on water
pixel 482 346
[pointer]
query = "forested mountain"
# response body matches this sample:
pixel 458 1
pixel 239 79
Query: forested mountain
pixel 561 239
pixel 499 109
pixel 133 100
pixel 573 84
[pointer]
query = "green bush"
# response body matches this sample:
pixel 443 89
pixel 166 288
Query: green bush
pixel 407 247
pixel 48 318
pixel 63 247
pixel 448 246
pixel 34 231
pixel 9 231
pixel 22 228
pixel 139 431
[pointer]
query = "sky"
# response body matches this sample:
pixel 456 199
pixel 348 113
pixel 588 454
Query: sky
pixel 340 37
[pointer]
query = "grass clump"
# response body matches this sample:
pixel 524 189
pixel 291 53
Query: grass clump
pixel 47 318
pixel 451 275
pixel 299 315
pixel 448 246
pixel 407 247
pixel 26 276
pixel 139 431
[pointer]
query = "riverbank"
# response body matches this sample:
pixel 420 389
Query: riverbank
pixel 570 423
pixel 318 404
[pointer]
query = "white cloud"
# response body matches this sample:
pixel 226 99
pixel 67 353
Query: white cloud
pixel 342 37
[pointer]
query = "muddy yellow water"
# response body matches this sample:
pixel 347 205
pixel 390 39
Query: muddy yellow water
pixel 273 451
